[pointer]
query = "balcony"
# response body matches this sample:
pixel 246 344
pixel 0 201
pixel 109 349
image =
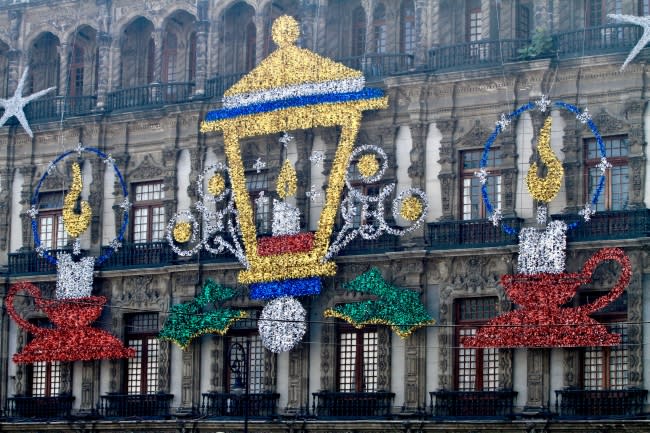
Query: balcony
pixel 579 403
pixel 447 235
pixel 260 405
pixel 58 107
pixel 40 407
pixel 377 66
pixel 139 255
pixel 623 224
pixel 382 244
pixel 352 404
pixel 215 87
pixel 136 405
pixel 609 38
pixel 472 404
pixel 151 95
pixel 475 54
pixel 28 262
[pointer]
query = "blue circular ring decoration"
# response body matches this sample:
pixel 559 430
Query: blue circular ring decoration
pixel 107 159
pixel 514 115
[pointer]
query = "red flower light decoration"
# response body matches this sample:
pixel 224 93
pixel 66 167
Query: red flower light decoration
pixel 73 339
pixel 543 322
pixel 278 245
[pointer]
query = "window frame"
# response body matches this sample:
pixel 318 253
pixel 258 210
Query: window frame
pixel 605 201
pixel 380 29
pixel 494 180
pixel 408 32
pixel 146 353
pixel 53 378
pixel 150 205
pixel 242 332
pixel 358 33
pixel 360 352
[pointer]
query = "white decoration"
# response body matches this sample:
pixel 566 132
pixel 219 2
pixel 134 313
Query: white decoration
pixel 584 117
pixel 261 199
pixel 378 151
pixel 259 165
pixel 115 244
pixel 286 219
pixel 313 194
pixel 482 175
pixel 76 247
pixel 504 121
pixel 50 168
pixel 317 158
pixel 496 217
pixel 542 251
pixel 603 165
pixel 645 38
pixel 14 106
pixel 32 212
pixel 109 160
pixel 282 324
pixel 587 212
pixel 80 148
pixel 125 204
pixel 543 103
pixel 286 139
pixel 74 279
pixel 542 214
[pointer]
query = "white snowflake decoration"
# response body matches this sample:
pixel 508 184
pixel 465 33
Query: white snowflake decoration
pixel 587 212
pixel 313 194
pixel 259 165
pixel 496 217
pixel 504 121
pixel 603 165
pixel 482 175
pixel 543 103
pixel 584 117
pixel 317 158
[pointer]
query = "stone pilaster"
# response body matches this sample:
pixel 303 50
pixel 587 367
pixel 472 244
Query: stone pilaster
pixel 103 71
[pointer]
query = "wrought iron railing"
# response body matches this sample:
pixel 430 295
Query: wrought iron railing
pixel 352 404
pixel 139 255
pixel 215 87
pixel 597 40
pixel 40 407
pixel 144 405
pixel 382 244
pixel 600 403
pixel 261 405
pixel 57 107
pixel 154 94
pixel 28 262
pixel 620 224
pixel 472 404
pixel 446 235
pixel 378 66
pixel 478 54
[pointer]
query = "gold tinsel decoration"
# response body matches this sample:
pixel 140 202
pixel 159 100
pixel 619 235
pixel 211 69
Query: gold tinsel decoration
pixel 74 223
pixel 182 232
pixel 368 165
pixel 216 185
pixel 411 208
pixel 545 188
pixel 287 181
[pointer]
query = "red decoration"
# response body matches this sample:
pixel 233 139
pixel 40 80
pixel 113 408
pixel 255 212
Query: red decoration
pixel 277 245
pixel 73 339
pixel 543 322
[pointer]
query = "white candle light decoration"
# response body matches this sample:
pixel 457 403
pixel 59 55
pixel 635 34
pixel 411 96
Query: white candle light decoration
pixel 542 251
pixel 74 279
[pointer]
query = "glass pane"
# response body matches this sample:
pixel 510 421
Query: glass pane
pixel 140 221
pixel 61 234
pixel 152 365
pixel 158 224
pixel 134 368
pixel 370 361
pixel 347 361
pixel 466 364
pixel 46 231
pixel 256 363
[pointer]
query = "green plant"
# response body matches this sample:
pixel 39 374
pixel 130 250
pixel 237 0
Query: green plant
pixel 541 45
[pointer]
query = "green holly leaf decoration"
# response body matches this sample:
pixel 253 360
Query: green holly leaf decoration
pixel 397 307
pixel 191 319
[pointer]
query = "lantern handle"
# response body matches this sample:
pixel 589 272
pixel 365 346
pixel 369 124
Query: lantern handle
pixel 35 292
pixel 617 255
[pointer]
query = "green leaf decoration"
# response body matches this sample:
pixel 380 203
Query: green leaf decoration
pixel 189 320
pixel 397 307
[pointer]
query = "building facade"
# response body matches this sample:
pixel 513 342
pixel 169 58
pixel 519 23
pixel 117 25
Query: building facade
pixel 135 79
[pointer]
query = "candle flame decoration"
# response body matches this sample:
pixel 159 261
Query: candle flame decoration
pixel 76 223
pixel 545 188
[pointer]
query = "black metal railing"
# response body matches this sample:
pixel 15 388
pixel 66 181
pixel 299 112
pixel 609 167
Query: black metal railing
pixel 215 87
pixel 126 405
pixel 600 403
pixel 597 40
pixel 620 224
pixel 29 262
pixel 262 405
pixel 352 404
pixel 57 107
pixel 472 404
pixel 380 245
pixel 40 407
pixel 378 66
pixel 479 53
pixel 151 95
pixel 446 235
pixel 137 255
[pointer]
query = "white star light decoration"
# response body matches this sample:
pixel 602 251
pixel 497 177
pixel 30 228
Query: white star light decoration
pixel 14 106
pixel 482 175
pixel 584 117
pixel 317 158
pixel 603 165
pixel 587 212
pixel 543 103
pixel 259 165
pixel 313 194
pixel 504 121
pixel 645 38
pixel 496 217
pixel 286 139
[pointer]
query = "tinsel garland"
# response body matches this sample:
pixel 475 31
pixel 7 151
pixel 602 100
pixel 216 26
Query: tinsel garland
pixel 282 324
pixel 545 188
pixel 74 279
pixel 368 165
pixel 72 339
pixel 275 245
pixel 274 289
pixel 75 223
pixel 189 320
pixel 542 251
pixel 287 182
pixel 399 308
pixel 542 321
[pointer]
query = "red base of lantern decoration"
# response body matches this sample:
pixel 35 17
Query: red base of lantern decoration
pixel 278 245
pixel 542 322
pixel 73 339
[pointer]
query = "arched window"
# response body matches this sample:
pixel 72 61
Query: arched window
pixel 407 27
pixel 251 43
pixel 379 28
pixel 4 69
pixel 44 63
pixel 76 78
pixel 137 53
pixel 358 32
pixel 169 57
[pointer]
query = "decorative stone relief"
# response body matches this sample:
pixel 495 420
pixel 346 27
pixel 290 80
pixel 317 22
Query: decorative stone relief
pixel 147 170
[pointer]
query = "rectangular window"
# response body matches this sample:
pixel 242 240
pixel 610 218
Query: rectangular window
pixel 142 369
pixel 476 369
pixel 615 194
pixel 357 359
pixel 472 198
pixel 50 220
pixel 245 332
pixel 522 26
pixel 257 183
pixel 45 377
pixel 148 213
pixel 594 12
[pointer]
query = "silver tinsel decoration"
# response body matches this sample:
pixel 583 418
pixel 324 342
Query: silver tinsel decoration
pixel 286 139
pixel 259 165
pixel 496 217
pixel 109 160
pixel 317 158
pixel 542 214
pixel 76 247
pixel 603 165
pixel 32 212
pixel 282 324
pixel 313 194
pixel 543 103
pixel 79 149
pixel 584 117
pixel 482 175
pixel 587 212
pixel 286 219
pixel 74 279
pixel 542 251
pixel 645 37
pixel 504 121
pixel 125 204
pixel 15 106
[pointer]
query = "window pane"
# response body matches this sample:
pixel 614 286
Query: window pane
pixel 134 368
pixel 466 364
pixel 618 358
pixel 46 231
pixel 256 362
pixel 158 224
pixel 39 379
pixel 370 347
pixel 347 361
pixel 152 365
pixel 61 234
pixel 140 221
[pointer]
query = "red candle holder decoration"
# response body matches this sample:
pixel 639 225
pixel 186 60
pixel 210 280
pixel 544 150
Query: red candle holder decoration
pixel 542 321
pixel 72 339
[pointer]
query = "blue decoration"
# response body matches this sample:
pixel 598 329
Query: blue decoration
pixel 298 101
pixel 276 289
pixel 125 191
pixel 514 115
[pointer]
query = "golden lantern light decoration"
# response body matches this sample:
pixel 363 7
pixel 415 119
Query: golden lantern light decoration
pixel 292 89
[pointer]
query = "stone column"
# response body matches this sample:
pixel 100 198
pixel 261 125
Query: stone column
pixel 64 55
pixel 103 68
pixel 13 72
pixel 202 31
pixel 157 35
pixel 417 169
pixel 258 20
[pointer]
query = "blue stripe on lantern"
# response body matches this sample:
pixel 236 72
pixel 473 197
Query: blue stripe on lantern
pixel 275 289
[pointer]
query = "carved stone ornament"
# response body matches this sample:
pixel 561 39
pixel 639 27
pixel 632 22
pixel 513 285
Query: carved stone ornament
pixel 147 170
pixel 475 137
